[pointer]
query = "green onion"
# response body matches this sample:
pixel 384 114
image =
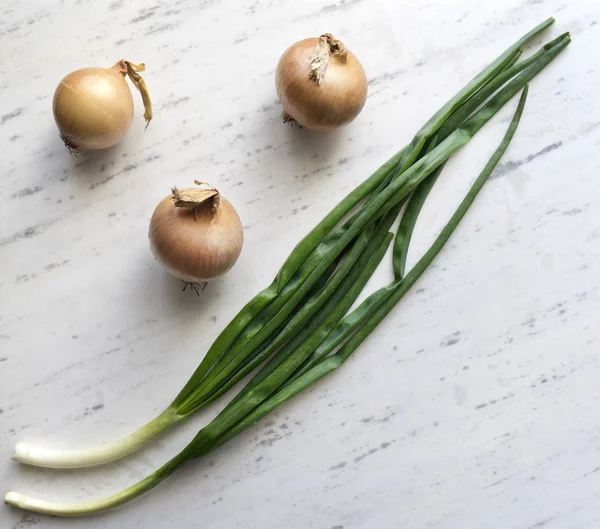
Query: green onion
pixel 264 396
pixel 409 218
pixel 283 316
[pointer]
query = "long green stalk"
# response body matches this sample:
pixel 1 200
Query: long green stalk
pixel 409 218
pixel 407 224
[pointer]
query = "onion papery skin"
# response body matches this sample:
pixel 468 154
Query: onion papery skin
pixel 196 244
pixel 334 102
pixel 93 108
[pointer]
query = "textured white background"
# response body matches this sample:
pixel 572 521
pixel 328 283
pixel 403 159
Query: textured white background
pixel 474 405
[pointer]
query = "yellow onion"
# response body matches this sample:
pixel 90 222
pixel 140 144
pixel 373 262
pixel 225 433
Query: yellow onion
pixel 196 234
pixel 93 107
pixel 320 83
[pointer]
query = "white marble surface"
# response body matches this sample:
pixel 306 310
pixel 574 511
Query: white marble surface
pixel 474 405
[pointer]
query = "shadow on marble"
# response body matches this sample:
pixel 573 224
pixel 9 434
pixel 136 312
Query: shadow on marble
pixel 152 282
